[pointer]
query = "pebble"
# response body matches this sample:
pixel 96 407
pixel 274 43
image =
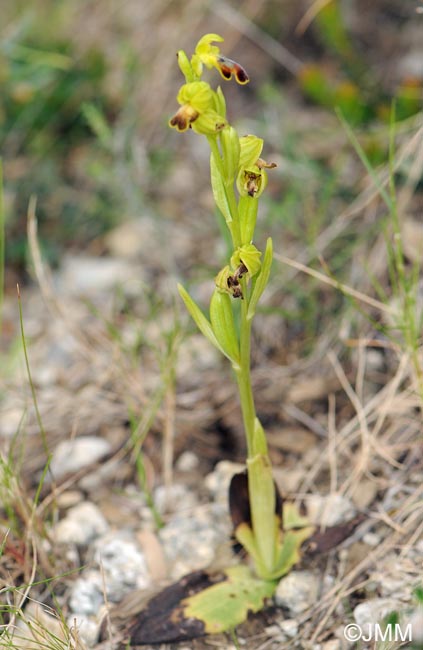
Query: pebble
pixel 289 627
pixel 88 629
pixel 329 510
pixel 72 455
pixel 374 611
pixel 82 524
pixel 122 564
pixel 217 482
pixel 371 539
pixel 86 597
pixel 416 621
pixel 190 540
pixel 178 499
pixel 187 462
pixel 68 499
pixel 297 591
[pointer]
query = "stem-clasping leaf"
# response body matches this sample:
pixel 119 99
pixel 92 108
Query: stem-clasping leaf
pixel 201 321
pixel 262 279
pixel 223 324
pixel 219 190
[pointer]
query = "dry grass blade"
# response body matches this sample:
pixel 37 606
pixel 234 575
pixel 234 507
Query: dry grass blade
pixel 372 302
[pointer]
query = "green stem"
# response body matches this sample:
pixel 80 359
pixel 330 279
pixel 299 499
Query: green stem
pixel 243 376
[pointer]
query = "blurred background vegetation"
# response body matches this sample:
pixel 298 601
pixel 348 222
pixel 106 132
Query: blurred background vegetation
pixel 88 87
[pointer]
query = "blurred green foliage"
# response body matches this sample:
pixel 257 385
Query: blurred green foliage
pixel 48 146
pixel 348 84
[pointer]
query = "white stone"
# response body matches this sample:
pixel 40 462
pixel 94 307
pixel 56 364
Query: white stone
pixel 87 629
pixel 218 481
pixel 122 564
pixel 72 455
pixel 87 594
pixel 416 621
pixel 83 523
pixel 297 591
pixel 187 462
pixel 329 510
pixel 289 627
pixel 371 539
pixel 367 614
pixel 178 498
pixel 190 540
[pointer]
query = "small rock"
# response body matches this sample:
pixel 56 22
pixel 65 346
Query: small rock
pixel 371 539
pixel 289 627
pixel 190 540
pixel 83 523
pixel 218 481
pixel 72 455
pixel 274 632
pixel 87 594
pixel 364 493
pixel 412 239
pixel 69 499
pixel 416 621
pixel 329 510
pixel 297 591
pixel 367 614
pixel 88 629
pixel 180 498
pixel 187 462
pixel 122 564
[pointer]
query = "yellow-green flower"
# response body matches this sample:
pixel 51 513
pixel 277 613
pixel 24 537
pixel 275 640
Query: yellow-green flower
pixel 210 56
pixel 197 110
pixel 252 177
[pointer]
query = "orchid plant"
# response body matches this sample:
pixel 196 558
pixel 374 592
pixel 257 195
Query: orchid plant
pixel 272 538
pixel 238 179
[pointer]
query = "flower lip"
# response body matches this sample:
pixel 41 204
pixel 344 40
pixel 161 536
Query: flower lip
pixel 184 117
pixel 227 68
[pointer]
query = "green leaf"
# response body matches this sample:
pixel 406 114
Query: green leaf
pixel 226 604
pixel 289 553
pixel 198 317
pixel 247 206
pixel 245 536
pixel 262 280
pixel 230 153
pixel 219 190
pixel 223 324
pixel 261 490
pixel 292 517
